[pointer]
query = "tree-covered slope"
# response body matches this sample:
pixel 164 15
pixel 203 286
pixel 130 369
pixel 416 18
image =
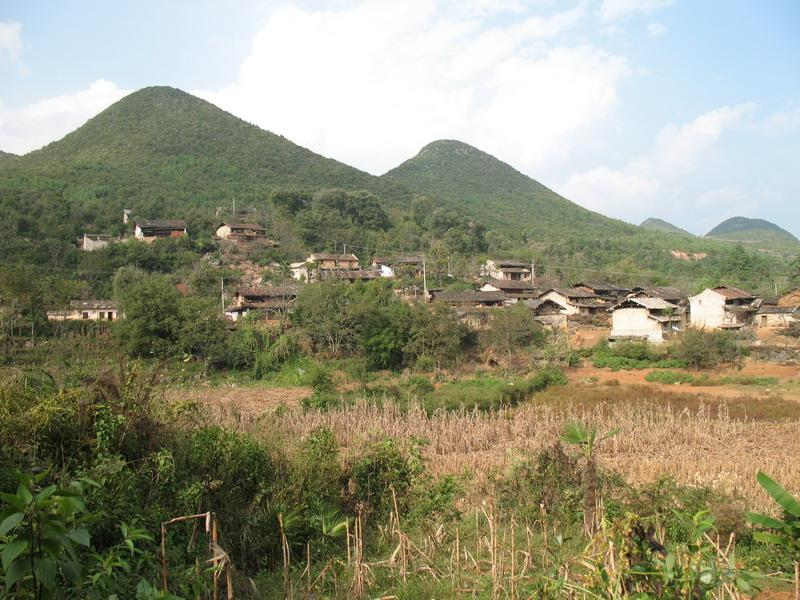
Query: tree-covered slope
pixel 655 224
pixel 6 158
pixel 463 178
pixel 160 148
pixel 744 229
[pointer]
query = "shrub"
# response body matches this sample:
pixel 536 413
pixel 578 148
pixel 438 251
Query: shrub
pixel 669 377
pixel 701 349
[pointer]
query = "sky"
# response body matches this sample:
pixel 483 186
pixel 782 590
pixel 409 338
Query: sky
pixel 684 110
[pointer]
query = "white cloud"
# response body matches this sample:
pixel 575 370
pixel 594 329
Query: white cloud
pixel 641 187
pixel 10 42
pixel 611 10
pixel 656 29
pixel 32 126
pixel 780 123
pixel 373 82
pixel 604 190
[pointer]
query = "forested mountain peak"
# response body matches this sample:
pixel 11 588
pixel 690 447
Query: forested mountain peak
pixel 744 228
pixel 655 224
pixel 461 177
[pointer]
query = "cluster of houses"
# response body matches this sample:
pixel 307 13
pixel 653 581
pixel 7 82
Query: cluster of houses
pixel 640 313
pixel 150 230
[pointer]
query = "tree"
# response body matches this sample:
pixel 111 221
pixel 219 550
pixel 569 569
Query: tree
pixel 322 309
pixel 586 438
pixel 514 328
pixel 152 320
pixel 436 334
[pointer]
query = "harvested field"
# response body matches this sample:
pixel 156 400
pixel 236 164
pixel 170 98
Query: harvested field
pixel 704 445
pixel 245 402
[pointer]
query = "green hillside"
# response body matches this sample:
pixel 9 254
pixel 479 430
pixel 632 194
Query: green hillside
pixel 460 177
pixel 159 149
pixel 655 224
pixel 6 157
pixel 750 230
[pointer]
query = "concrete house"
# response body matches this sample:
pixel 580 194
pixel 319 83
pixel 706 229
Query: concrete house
pixel 93 241
pixel 269 300
pixel 409 266
pixel 547 313
pixel 351 275
pixel 776 316
pixel 576 301
pixel 513 270
pixel 321 261
pixel 243 232
pixel 150 230
pixel 722 307
pixel 90 310
pixel 513 288
pixel 646 319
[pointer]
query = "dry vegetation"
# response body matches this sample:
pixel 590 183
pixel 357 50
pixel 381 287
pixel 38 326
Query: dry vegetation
pixel 697 442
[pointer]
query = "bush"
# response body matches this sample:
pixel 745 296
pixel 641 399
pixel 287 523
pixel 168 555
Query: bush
pixel 701 349
pixel 633 355
pixel 669 377
pixel 383 468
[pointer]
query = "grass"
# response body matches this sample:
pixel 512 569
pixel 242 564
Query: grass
pixel 677 377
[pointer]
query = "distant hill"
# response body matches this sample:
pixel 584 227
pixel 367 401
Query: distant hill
pixel 757 232
pixel 160 148
pixel 6 157
pixel 655 224
pixel 462 178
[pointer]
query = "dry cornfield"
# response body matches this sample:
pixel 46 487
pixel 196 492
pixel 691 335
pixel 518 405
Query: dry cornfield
pixel 704 445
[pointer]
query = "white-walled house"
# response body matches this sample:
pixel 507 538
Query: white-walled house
pixel 514 288
pixel 89 310
pixel 576 301
pixel 777 316
pixel 513 270
pixel 650 319
pixel 722 307
pixel 150 230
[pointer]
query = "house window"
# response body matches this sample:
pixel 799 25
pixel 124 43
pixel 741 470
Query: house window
pixel 110 316
pixel 85 315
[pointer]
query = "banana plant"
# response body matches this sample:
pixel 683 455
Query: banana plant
pixel 782 532
pixel 586 438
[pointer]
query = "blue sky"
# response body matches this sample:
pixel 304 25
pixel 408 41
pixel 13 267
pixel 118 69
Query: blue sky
pixel 685 110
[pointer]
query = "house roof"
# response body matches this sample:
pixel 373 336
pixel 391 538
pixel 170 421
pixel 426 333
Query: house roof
pixel 241 226
pixel 509 284
pixel 331 256
pixel 470 296
pixel 397 260
pixel 541 303
pixel 601 287
pixel 778 310
pixel 510 263
pixel 98 237
pixel 732 293
pixel 648 303
pixel 93 304
pixel 574 293
pixel 663 292
pixel 268 292
pixel 155 224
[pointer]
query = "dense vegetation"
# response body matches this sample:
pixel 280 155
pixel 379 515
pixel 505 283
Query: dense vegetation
pixel 164 153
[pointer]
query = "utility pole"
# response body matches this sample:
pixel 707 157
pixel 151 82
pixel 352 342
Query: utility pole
pixel 222 293
pixel 233 217
pixel 533 272
pixel 449 274
pixel 424 278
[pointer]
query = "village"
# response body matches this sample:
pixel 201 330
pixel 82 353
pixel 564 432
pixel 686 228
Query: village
pixel 652 314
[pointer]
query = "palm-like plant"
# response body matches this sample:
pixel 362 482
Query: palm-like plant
pixel 783 532
pixel 586 438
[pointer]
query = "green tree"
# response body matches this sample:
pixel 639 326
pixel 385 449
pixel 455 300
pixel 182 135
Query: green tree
pixel 514 328
pixel 151 322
